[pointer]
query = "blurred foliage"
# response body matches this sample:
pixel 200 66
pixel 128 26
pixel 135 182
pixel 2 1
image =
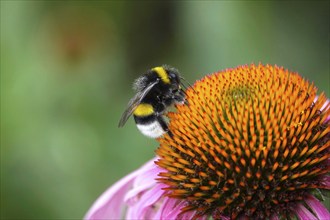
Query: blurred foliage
pixel 66 74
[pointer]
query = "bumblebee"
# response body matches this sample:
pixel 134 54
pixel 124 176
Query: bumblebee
pixel 156 90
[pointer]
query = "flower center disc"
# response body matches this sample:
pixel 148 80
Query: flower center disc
pixel 251 142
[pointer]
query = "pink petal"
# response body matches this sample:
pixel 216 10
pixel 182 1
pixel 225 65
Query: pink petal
pixel 323 108
pixel 167 206
pixel 149 175
pixel 169 209
pixel 325 180
pixel 188 215
pixel 304 214
pixel 317 207
pixel 110 204
pixel 146 203
pixel 150 199
pixel 274 217
pixel 144 181
pixel 163 206
pixel 175 212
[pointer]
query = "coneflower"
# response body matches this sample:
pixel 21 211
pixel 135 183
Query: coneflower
pixel 253 143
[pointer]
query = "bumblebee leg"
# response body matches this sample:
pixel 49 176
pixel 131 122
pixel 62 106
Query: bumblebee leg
pixel 179 97
pixel 159 108
pixel 163 123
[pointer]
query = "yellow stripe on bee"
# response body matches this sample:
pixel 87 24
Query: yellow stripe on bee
pixel 162 74
pixel 143 110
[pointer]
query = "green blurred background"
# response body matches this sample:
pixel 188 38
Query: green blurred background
pixel 67 70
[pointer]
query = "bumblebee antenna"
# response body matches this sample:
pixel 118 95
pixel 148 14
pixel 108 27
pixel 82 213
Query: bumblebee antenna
pixel 189 85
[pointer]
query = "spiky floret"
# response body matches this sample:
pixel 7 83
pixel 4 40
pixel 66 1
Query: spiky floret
pixel 254 141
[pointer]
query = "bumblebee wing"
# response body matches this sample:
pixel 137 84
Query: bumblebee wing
pixel 134 102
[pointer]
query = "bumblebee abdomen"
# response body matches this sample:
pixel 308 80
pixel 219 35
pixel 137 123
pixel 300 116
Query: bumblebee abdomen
pixel 143 110
pixel 148 122
pixel 153 129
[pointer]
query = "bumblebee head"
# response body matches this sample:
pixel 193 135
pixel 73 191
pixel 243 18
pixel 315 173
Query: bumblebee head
pixel 173 76
pixel 167 74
